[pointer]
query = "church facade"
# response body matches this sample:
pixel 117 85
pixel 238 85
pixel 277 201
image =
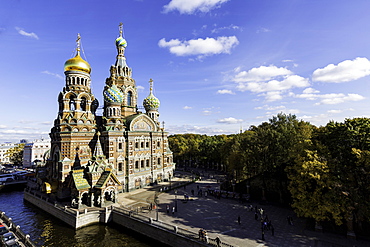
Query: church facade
pixel 93 158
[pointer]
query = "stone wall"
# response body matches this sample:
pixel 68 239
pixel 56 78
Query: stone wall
pixel 163 232
pixel 71 217
pixel 167 234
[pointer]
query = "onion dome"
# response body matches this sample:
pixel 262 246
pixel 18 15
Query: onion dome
pixel 77 63
pixel 120 41
pixel 113 94
pixel 151 102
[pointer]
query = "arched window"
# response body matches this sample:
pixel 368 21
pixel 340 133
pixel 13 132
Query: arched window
pixel 129 98
pixel 72 103
pixel 83 104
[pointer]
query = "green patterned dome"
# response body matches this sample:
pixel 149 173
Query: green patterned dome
pixel 151 102
pixel 121 42
pixel 113 95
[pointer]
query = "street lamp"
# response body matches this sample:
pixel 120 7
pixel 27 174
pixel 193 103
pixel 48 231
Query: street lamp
pixel 156 201
pixel 175 200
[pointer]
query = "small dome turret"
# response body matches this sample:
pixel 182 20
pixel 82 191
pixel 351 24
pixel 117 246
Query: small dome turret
pixel 151 102
pixel 120 41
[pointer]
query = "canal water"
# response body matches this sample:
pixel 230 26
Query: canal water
pixel 46 230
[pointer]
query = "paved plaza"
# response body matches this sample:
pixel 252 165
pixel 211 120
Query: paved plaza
pixel 219 217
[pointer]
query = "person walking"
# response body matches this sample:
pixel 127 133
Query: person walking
pixel 218 241
pixel 239 219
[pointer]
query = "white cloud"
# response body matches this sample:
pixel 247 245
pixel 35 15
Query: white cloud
pixel 229 120
pixel 24 33
pixel 175 129
pixel 330 99
pixel 288 82
pixel 192 6
pixel 270 108
pixel 230 27
pixel 310 90
pixel 335 111
pixel 263 30
pixel 262 73
pixel 269 81
pixel 272 96
pixel 53 74
pixel 187 107
pixel 203 47
pixel 345 71
pixel 225 91
pixel 207 112
pixel 2 126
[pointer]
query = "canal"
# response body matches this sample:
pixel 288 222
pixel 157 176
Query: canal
pixel 46 230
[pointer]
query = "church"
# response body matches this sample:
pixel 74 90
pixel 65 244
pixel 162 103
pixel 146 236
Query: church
pixel 93 158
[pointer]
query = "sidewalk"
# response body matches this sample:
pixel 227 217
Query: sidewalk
pixel 219 217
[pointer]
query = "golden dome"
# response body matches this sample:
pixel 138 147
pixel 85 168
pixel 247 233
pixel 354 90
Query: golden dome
pixel 77 63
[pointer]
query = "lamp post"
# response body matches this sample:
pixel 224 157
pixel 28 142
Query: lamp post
pixel 176 201
pixel 169 177
pixel 156 201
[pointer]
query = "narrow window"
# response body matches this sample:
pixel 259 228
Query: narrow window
pixel 129 98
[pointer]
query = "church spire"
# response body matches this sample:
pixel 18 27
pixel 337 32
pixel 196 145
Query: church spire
pixel 151 103
pixel 98 151
pixel 121 68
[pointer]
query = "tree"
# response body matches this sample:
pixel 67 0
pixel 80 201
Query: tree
pixel 15 154
pixel 275 147
pixel 313 188
pixel 340 156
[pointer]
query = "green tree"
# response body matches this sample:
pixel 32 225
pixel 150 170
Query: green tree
pixel 313 188
pixel 345 147
pixel 15 154
pixel 276 145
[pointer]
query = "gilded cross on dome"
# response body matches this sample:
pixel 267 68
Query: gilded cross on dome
pixel 151 84
pixel 120 28
pixel 78 41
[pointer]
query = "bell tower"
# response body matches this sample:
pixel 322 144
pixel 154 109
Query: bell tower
pixel 120 75
pixel 74 130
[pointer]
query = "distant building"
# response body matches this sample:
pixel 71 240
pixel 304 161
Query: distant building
pixel 4 147
pixel 34 152
pixel 93 158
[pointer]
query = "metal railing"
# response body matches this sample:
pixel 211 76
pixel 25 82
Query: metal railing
pixel 16 229
pixel 168 227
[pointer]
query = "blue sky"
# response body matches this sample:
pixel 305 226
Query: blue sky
pixel 217 65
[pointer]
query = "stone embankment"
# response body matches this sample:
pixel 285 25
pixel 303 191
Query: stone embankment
pixel 166 233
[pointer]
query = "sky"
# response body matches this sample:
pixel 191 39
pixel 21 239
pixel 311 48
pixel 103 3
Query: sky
pixel 218 66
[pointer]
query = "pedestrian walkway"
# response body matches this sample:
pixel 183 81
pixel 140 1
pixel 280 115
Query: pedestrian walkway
pixel 219 217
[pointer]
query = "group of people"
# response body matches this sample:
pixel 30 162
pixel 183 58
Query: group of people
pixel 203 235
pixel 266 224
pixel 168 209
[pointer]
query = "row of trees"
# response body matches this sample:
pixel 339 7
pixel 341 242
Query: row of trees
pixel 324 170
